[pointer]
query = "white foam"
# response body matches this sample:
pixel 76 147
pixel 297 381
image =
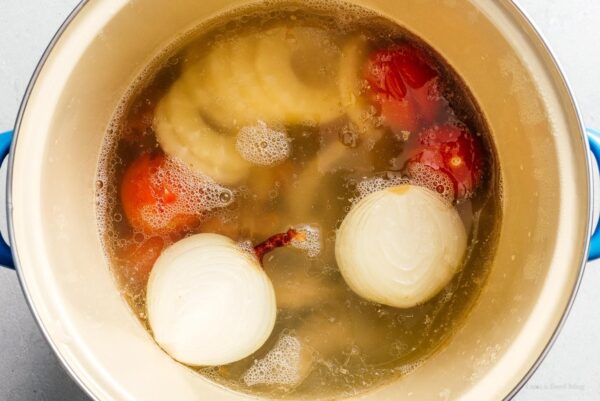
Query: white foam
pixel 281 365
pixel 196 194
pixel 437 181
pixel 262 145
pixel 246 246
pixel 418 174
pixel 106 191
pixel 309 240
pixel 409 367
pixel 375 184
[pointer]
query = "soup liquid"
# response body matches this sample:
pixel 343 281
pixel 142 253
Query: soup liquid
pixel 327 341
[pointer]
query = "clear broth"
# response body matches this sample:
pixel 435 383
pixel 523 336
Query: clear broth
pixel 349 345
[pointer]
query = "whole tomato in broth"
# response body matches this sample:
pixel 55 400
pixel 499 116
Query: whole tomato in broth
pixel 149 194
pixel 455 151
pixel 404 83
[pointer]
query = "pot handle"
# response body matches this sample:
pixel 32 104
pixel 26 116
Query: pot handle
pixel 6 258
pixel 594 141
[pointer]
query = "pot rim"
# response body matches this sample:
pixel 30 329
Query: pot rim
pixel 9 185
pixel 520 14
pixel 524 16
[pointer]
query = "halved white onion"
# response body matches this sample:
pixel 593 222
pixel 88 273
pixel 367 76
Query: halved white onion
pixel 400 246
pixel 209 302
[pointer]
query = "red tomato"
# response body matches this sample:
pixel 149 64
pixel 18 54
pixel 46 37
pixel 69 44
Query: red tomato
pixel 138 259
pixel 429 101
pixel 403 82
pixel 454 150
pixel 148 198
pixel 414 65
pixel 400 114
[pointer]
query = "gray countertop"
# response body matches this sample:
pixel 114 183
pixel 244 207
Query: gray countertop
pixel 29 371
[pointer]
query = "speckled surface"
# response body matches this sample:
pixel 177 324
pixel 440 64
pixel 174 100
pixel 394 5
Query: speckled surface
pixel 30 372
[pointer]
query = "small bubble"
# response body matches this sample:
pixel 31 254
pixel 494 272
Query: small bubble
pixel 99 184
pixel 349 137
pixel 225 196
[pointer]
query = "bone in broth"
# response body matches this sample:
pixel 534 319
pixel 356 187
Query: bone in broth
pixel 304 121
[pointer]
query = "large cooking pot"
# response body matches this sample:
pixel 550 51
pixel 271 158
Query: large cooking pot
pixel 98 53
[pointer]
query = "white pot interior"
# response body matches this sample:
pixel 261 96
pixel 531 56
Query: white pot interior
pixel 536 132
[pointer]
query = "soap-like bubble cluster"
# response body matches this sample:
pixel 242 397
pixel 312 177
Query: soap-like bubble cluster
pixel 105 189
pixel 309 239
pixel 409 367
pixel 435 180
pixel 246 246
pixel 196 194
pixel 418 174
pixel 281 365
pixel 262 145
pixel 376 184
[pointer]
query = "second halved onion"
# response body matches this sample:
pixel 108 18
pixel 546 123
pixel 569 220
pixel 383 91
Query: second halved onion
pixel 400 246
